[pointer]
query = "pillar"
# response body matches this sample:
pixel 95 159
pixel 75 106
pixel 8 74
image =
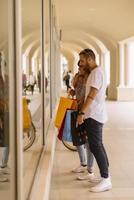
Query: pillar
pixel 121 65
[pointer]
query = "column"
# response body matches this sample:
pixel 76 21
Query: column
pixel 121 65
pixel 98 61
pixel 126 93
pixel 30 64
pixel 27 65
pixel 35 66
pixel 102 59
pixel 127 66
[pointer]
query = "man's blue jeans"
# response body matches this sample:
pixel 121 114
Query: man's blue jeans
pixel 94 131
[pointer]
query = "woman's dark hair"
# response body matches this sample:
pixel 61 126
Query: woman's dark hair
pixel 78 63
pixel 87 53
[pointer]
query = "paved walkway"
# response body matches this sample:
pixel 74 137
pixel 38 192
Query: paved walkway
pixel 119 142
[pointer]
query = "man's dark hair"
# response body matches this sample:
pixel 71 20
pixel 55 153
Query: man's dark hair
pixel 87 53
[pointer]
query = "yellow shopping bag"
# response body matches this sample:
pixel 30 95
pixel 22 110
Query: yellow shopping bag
pixel 26 115
pixel 64 104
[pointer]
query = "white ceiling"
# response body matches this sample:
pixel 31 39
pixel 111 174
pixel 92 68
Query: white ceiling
pixel 113 19
pixel 31 16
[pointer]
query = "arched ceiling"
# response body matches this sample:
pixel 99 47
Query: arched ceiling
pixel 87 37
pixel 31 10
pixel 84 44
pixel 107 18
pixel 78 46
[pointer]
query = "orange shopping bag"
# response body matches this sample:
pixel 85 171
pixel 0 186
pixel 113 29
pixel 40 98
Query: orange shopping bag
pixel 26 115
pixel 64 104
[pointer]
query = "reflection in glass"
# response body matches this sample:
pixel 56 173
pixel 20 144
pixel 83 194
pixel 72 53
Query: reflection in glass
pixel 31 89
pixel 4 103
pixel 47 63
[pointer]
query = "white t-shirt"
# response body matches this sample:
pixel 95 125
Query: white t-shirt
pixel 97 109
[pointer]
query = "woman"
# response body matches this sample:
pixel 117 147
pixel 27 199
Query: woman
pixel 85 155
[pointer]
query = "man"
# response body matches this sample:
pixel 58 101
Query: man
pixel 39 80
pixel 24 80
pixel 32 82
pixel 66 78
pixel 71 77
pixel 93 114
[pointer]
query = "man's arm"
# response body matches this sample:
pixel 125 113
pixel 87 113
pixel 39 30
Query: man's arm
pixel 92 94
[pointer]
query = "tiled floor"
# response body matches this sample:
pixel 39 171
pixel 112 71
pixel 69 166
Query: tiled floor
pixel 119 142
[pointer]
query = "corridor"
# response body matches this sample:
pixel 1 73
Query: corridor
pixel 40 43
pixel 119 140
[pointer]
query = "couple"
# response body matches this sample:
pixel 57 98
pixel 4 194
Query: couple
pixel 93 114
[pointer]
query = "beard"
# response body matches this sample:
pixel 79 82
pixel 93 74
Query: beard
pixel 87 69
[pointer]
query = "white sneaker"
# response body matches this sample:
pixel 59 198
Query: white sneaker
pixel 79 169
pixel 104 185
pixel 90 177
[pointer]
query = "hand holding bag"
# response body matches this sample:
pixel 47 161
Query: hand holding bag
pixel 64 104
pixel 78 133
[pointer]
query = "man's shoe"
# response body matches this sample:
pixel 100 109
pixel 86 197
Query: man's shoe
pixel 79 169
pixel 90 177
pixel 104 185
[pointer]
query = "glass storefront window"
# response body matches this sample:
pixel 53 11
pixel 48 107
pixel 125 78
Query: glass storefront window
pixel 25 74
pixel 5 164
pixel 47 75
pixel 31 89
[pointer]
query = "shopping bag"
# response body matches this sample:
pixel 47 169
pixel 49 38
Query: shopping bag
pixel 26 115
pixel 60 133
pixel 67 127
pixel 1 128
pixel 4 129
pixel 64 104
pixel 78 132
